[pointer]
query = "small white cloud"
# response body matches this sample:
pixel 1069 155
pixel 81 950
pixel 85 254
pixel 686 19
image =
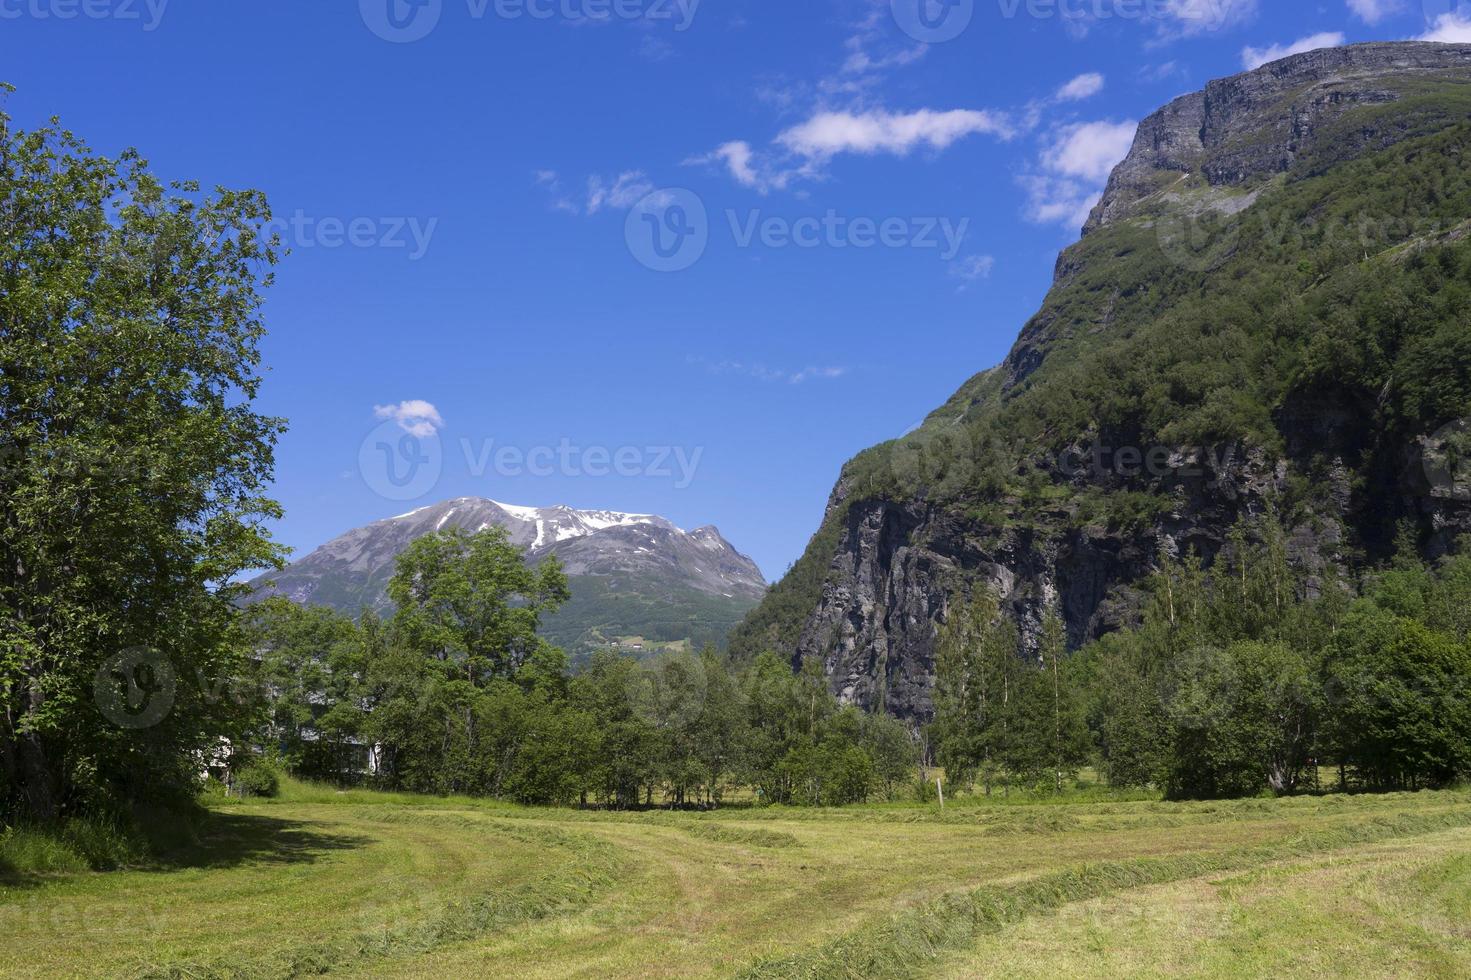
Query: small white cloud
pixel 553 184
pixel 1090 151
pixel 1449 28
pixel 417 418
pixel 1161 72
pixel 768 374
pixel 751 169
pixel 1082 87
pixel 830 133
pixel 971 269
pixel 823 373
pixel 621 193
pixel 1253 58
pixel 737 156
pixel 1374 11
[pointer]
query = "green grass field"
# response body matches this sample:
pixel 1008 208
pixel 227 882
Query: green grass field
pixel 360 884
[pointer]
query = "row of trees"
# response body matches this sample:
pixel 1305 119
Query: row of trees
pixel 1001 719
pixel 1251 677
pixel 457 694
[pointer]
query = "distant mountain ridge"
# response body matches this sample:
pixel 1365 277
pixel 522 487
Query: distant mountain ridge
pixel 632 575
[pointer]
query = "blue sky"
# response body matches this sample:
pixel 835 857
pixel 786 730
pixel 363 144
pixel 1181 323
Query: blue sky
pixel 856 209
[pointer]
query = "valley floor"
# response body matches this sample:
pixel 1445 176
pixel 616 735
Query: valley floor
pixel 359 884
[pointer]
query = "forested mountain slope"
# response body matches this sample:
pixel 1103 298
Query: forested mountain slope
pixel 1269 309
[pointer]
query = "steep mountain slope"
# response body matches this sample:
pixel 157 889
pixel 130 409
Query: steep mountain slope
pixel 632 575
pixel 1270 309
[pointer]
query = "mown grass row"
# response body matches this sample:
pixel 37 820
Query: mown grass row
pixel 595 869
pixel 908 942
pixel 749 837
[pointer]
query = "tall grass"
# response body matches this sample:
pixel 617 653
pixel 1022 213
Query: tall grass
pixel 95 843
pixel 77 845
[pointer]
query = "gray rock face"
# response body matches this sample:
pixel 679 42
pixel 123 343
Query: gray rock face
pixel 1256 124
pixel 898 558
pixel 634 574
pixel 898 564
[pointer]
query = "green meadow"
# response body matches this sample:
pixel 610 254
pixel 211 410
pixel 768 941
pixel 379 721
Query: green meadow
pixel 319 882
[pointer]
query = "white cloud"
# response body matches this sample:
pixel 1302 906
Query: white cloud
pixel 829 133
pixel 1192 18
pixel 751 169
pixel 774 375
pixel 1090 151
pixel 1074 168
pixel 971 269
pixel 622 193
pixel 862 69
pixel 802 151
pixel 417 418
pixel 1374 11
pixel 738 158
pixel 1160 72
pixel 1252 58
pixel 822 373
pixel 1058 200
pixel 1082 87
pixel 552 181
pixel 1450 28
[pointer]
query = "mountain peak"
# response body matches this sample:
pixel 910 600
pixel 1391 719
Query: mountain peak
pixel 1241 130
pixel 691 581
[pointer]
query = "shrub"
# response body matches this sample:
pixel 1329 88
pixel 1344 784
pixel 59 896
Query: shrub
pixel 258 777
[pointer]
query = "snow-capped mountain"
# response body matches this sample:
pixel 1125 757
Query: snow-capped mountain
pixel 631 574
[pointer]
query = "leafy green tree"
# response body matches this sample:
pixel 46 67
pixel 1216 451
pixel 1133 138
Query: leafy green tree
pixel 1245 720
pixel 1050 739
pixel 470 602
pixel 461 657
pixel 1401 700
pixel 894 753
pixel 133 470
pixel 978 684
pixel 311 663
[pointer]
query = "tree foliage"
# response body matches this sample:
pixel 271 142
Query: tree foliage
pixel 133 469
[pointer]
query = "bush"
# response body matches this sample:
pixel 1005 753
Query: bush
pixel 258 777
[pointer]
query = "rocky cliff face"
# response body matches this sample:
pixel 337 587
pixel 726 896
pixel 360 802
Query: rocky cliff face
pixel 1258 124
pixel 914 523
